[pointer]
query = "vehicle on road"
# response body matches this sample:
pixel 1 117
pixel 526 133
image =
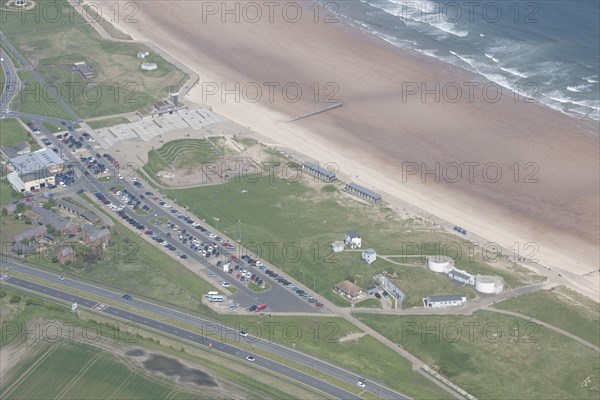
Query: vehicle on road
pixel 250 358
pixel 127 297
pixel 61 278
pixel 361 383
pixel 378 296
pixel 243 333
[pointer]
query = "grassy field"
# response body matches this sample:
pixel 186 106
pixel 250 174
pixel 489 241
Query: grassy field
pixel 182 153
pixel 54 127
pixel 104 123
pixel 496 356
pixel 321 338
pixel 12 132
pixel 369 303
pixel 48 15
pixel 303 220
pixel 119 85
pixel 562 308
pixel 75 370
pixel 37 99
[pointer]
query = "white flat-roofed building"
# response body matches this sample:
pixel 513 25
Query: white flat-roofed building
pixel 453 300
pixel 369 256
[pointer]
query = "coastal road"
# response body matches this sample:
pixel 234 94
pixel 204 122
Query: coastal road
pixel 214 328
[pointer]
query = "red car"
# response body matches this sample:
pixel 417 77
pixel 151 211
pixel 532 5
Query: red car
pixel 148 232
pixel 318 304
pixel 233 258
pixel 237 276
pixel 155 198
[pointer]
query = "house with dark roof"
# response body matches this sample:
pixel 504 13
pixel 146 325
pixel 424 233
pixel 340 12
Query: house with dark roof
pixel 48 218
pixel 353 240
pixel 93 236
pixel 65 254
pixel 81 212
pixel 33 233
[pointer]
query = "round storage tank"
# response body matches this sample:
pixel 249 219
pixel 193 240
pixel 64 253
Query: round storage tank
pixel 443 264
pixel 488 284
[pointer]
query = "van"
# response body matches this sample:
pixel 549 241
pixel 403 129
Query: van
pixel 216 299
pixel 209 294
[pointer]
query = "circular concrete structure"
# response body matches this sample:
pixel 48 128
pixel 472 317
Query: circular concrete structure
pixel 442 264
pixel 489 284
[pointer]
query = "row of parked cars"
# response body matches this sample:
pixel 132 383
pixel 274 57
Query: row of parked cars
pixel 129 198
pixel 70 141
pixel 94 166
pixel 67 178
pixel 290 285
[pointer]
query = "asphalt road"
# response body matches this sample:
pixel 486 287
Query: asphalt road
pixel 10 90
pixel 217 329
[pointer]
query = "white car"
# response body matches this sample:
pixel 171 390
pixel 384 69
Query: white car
pixel 61 278
pixel 243 333
pixel 167 205
pixel 361 383
pixel 225 284
pixel 250 358
pixel 120 177
pixel 212 235
pixel 259 264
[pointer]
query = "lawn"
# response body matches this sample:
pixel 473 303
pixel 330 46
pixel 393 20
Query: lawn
pixel 321 338
pixel 292 225
pixel 562 308
pixel 12 132
pixel 369 303
pixel 119 85
pixel 54 127
pixel 105 123
pixel 184 153
pixel 47 16
pixel 37 99
pixel 496 356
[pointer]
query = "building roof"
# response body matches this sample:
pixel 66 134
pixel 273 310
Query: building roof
pixel 49 218
pixel 349 288
pixel 314 167
pixel 458 274
pixel 14 150
pixel 352 234
pixel 353 186
pixel 448 297
pixel 93 233
pixel 36 161
pixel 369 251
pixel 90 216
pixel 66 251
pixel 371 288
pixel 33 232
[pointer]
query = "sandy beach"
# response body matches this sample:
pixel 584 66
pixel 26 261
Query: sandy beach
pixel 528 173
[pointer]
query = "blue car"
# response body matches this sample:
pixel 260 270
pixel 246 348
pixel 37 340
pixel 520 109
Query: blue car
pixel 127 297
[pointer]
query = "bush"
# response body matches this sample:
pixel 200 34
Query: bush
pixel 33 302
pixel 2 293
pixel 15 298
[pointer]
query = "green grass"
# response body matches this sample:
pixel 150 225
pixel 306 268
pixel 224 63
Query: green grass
pixel 49 15
pixel 320 337
pixel 369 303
pixel 36 99
pixel 303 221
pixel 105 123
pixel 496 356
pixel 255 288
pixel 562 308
pixel 182 153
pixel 54 127
pixel 12 132
pixel 119 85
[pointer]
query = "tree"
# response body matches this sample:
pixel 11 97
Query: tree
pixel 4 212
pixel 49 204
pixel 50 229
pixel 20 208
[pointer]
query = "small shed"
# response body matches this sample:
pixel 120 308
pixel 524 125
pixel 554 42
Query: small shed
pixel 337 246
pixel 369 255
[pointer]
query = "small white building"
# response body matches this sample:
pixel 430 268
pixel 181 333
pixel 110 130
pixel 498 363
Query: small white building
pixel 337 246
pixel 461 276
pixel 369 255
pixel 143 54
pixel 454 300
pixel 149 66
pixel 353 240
